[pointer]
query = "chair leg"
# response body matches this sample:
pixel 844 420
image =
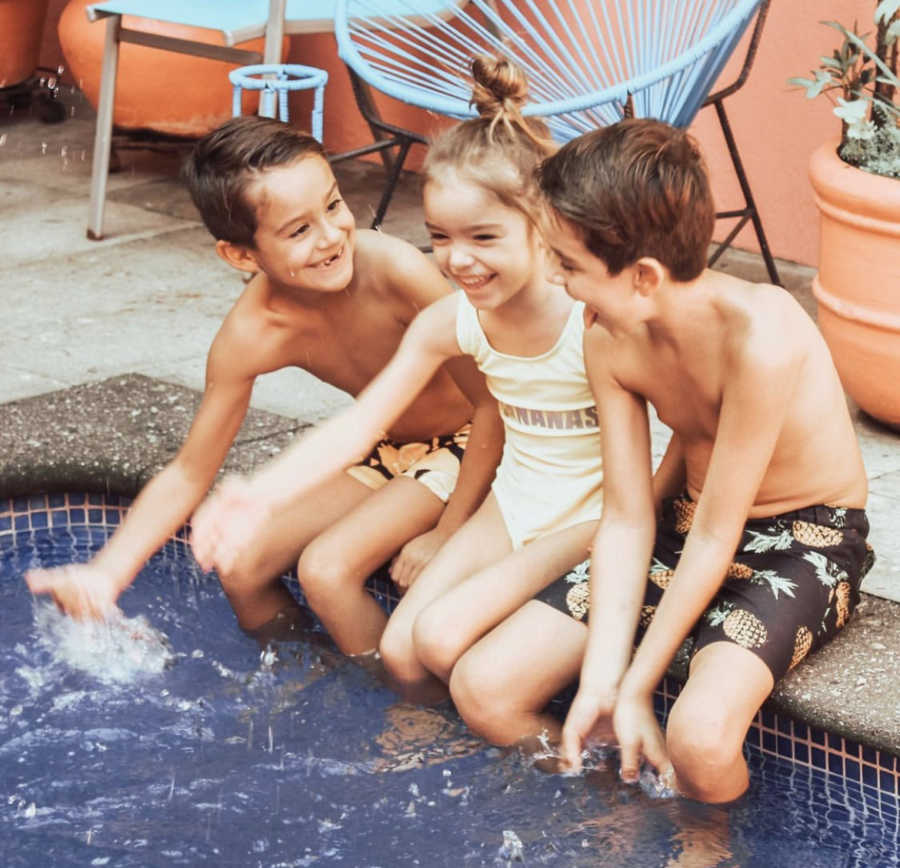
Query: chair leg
pixel 103 133
pixel 387 136
pixel 749 212
pixel 391 183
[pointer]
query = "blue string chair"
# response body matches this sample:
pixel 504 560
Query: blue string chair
pixel 588 63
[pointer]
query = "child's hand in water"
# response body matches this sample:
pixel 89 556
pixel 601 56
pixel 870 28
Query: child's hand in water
pixel 639 735
pixel 589 721
pixel 226 523
pixel 80 590
pixel 414 556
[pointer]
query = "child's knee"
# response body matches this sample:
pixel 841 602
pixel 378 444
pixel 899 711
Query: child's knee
pixel 435 644
pixel 479 705
pixel 322 574
pixel 701 742
pixel 244 577
pixel 397 652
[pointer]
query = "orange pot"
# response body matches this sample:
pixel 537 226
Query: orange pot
pixel 21 28
pixel 158 90
pixel 858 284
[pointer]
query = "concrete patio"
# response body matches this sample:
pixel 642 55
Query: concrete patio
pixel 148 300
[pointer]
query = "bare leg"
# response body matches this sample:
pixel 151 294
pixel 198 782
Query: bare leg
pixel 482 540
pixel 253 587
pixel 334 566
pixel 709 721
pixel 446 629
pixel 503 683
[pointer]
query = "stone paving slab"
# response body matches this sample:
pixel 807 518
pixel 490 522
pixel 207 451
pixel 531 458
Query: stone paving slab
pixel 112 436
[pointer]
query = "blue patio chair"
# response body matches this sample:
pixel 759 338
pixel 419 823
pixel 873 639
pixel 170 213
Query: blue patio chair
pixel 589 63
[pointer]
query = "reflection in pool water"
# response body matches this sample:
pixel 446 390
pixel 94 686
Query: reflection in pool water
pixel 211 751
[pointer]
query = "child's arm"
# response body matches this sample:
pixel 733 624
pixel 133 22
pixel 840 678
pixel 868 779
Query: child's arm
pixel 620 553
pixel 669 479
pixel 479 464
pixel 227 521
pixel 750 420
pixel 164 504
pixel 415 278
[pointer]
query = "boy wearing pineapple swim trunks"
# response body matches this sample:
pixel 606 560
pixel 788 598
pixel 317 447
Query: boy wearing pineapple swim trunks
pixel 761 441
pixel 792 585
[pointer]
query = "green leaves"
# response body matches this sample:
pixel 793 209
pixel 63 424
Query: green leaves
pixel 866 83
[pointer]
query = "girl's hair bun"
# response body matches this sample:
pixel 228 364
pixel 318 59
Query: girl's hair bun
pixel 500 86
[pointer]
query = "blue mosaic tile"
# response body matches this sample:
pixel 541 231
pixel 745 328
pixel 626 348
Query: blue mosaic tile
pixel 817 736
pixel 835 742
pixel 835 763
pixel 800 730
pixel 39 519
pixel 76 516
pixel 37 501
pixel 801 752
pixel 768 742
pixel 20 504
pixel 59 518
pixel 77 499
pixel 818 758
pixel 784 746
pixel 56 500
pixel 95 516
pixel 870 775
pixel 852 770
pixel 5 522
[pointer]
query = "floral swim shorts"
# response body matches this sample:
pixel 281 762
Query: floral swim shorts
pixel 435 464
pixel 793 583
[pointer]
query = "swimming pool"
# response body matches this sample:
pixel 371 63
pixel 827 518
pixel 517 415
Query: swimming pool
pixel 228 754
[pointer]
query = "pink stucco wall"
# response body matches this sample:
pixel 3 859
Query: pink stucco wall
pixel 776 127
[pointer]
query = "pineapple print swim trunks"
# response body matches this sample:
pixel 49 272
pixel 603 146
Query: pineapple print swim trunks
pixel 435 464
pixel 793 583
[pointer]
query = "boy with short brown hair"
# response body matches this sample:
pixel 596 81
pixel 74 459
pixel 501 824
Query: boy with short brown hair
pixel 336 302
pixel 759 548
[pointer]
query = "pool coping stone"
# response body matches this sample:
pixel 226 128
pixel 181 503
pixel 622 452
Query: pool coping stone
pixel 114 435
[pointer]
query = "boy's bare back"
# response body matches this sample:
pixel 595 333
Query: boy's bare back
pixel 344 338
pixel 725 348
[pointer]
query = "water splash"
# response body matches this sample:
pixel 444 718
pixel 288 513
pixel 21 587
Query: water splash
pixel 119 649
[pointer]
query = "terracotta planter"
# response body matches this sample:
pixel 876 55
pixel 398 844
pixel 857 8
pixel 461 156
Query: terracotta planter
pixel 171 93
pixel 858 284
pixel 21 27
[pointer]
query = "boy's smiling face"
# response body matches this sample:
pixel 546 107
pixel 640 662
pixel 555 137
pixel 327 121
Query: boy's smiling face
pixel 305 233
pixel 586 277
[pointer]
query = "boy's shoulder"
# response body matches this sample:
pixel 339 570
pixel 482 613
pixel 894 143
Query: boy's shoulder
pixel 384 258
pixel 393 269
pixel 250 340
pixel 764 324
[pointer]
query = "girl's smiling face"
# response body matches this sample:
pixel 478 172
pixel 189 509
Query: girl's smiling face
pixel 305 232
pixel 490 250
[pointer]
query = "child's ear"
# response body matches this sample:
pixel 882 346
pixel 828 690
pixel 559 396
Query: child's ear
pixel 238 256
pixel 648 275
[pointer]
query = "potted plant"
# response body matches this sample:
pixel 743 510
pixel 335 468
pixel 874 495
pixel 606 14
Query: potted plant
pixel 857 188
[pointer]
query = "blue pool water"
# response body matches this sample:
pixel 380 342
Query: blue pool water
pixel 227 755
